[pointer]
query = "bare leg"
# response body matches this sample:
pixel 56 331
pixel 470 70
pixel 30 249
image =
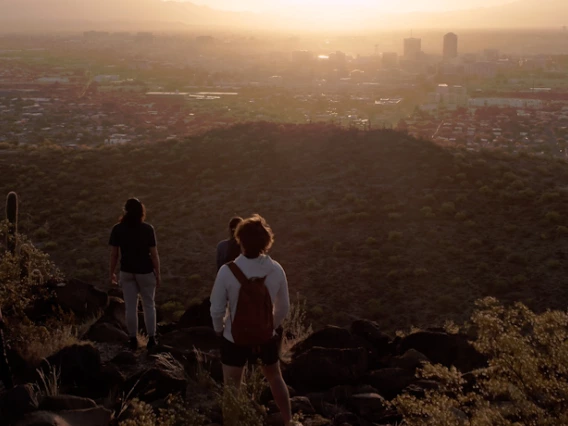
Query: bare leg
pixel 279 390
pixel 233 376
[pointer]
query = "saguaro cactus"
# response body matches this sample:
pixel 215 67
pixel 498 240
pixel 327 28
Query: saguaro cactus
pixel 12 216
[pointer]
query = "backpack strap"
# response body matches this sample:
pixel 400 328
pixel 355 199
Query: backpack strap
pixel 238 273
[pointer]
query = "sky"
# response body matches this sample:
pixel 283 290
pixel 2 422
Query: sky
pixel 336 6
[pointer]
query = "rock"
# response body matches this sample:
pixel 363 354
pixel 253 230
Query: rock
pixel 197 315
pixel 329 337
pixel 411 360
pixel 153 384
pixel 341 394
pixel 106 333
pixel 77 364
pixel 109 381
pixel 202 338
pixel 371 406
pixel 321 368
pixel 390 382
pixel 43 418
pixel 370 331
pixel 97 416
pixel 316 420
pixel 65 402
pixel 346 418
pixel 301 404
pixel 115 313
pixel 81 298
pixel 446 349
pixel 125 358
pixel 18 401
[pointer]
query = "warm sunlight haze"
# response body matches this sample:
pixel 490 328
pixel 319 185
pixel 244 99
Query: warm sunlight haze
pixel 283 212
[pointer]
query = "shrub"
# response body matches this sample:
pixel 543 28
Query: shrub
pixel 448 207
pixel 553 216
pixel 395 236
pixel 461 215
pixel 524 383
pixel 371 241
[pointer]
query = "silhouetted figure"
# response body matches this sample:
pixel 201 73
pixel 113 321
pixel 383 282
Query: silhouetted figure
pixel 228 250
pixel 256 290
pixel 139 268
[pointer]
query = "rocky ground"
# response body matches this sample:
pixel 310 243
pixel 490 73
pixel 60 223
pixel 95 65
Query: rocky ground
pixel 337 376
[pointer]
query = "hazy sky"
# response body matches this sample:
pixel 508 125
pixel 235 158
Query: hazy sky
pixel 326 6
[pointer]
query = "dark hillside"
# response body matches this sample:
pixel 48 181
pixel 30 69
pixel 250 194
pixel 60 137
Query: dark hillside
pixel 376 224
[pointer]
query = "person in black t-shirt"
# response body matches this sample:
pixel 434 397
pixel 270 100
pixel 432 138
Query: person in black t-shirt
pixel 228 250
pixel 139 268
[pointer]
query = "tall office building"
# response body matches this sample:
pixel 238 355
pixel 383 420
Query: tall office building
pixel 412 48
pixel 450 46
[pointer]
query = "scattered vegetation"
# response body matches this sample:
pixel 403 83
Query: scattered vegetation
pixel 339 214
pixel 525 383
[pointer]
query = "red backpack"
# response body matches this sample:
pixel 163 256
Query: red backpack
pixel 253 324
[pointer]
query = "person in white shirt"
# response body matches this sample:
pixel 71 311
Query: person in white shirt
pixel 255 238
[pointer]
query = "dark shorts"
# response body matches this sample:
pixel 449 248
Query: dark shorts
pixel 237 356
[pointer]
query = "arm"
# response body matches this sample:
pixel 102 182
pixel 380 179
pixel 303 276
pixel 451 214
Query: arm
pixel 218 301
pixel 113 263
pixel 156 262
pixel 282 302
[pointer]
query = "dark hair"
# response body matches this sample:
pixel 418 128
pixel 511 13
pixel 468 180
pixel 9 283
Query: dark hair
pixel 134 212
pixel 254 236
pixel 233 223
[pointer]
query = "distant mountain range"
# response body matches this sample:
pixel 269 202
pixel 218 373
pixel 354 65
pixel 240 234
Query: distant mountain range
pixel 17 15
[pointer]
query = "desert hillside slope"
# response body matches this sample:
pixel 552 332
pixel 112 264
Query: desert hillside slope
pixel 368 224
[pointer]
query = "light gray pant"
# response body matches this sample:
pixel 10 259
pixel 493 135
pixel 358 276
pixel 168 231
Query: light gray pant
pixel 145 286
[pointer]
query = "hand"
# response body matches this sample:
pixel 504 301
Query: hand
pixel 113 280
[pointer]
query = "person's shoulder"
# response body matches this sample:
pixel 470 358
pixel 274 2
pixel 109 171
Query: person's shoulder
pixel 275 265
pixel 147 226
pixel 222 243
pixel 117 226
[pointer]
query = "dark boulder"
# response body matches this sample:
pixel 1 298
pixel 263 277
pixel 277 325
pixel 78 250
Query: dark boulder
pixel 115 313
pixel 77 364
pixel 65 402
pixel 329 337
pixel 390 382
pixel 155 383
pixel 346 419
pixel 197 315
pixel 17 402
pixel 125 358
pixel 301 404
pixel 371 332
pixel 97 416
pixel 321 368
pixel 104 332
pixel 81 298
pixel 370 406
pixel 202 338
pixel 410 360
pixel 443 348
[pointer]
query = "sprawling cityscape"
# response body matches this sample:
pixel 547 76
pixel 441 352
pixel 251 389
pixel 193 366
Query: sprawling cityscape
pixel 97 87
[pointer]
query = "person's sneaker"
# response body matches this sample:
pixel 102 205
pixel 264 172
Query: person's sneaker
pixel 152 342
pixel 133 343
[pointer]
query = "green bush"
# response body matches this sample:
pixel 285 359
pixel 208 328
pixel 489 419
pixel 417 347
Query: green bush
pixel 525 383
